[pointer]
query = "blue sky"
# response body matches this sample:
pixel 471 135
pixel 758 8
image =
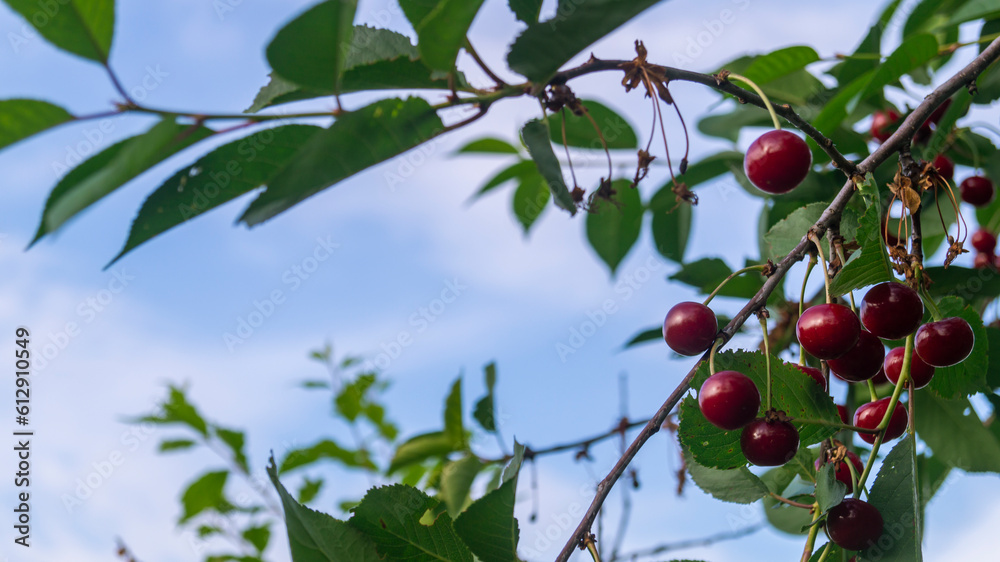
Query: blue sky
pixel 398 247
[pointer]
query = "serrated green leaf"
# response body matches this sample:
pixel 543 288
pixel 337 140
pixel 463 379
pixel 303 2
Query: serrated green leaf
pixel 485 408
pixel 829 491
pixel 23 118
pixel 580 132
pixel 894 494
pixel 797 396
pixel 456 481
pixel 969 376
pixel 776 64
pixel 454 429
pixel 317 537
pixel 736 485
pixel 613 226
pixel 671 231
pixel 526 10
pixel 82 27
pixel 388 127
pixel 175 445
pixel 309 490
pixel 235 441
pixel 114 167
pixel 421 448
pixel 957 438
pixel 311 49
pixel 535 135
pixel 442 31
pixel 325 449
pixel 870 264
pixel 540 50
pixel 488 525
pixel 530 200
pixel 205 493
pixel 651 334
pixel 488 145
pixel 783 237
pixel 406 524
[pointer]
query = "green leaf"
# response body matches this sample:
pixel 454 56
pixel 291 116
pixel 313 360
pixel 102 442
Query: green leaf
pixel 441 33
pixel 973 10
pixel 957 438
pixel 309 490
pixel 652 334
pixel 833 556
pixel 782 481
pixel 969 376
pixel 488 145
pixel 456 481
pixel 969 284
pixel 706 274
pixel 81 27
pixel 513 468
pixel 737 485
pixel 23 118
pixel 311 49
pixel 317 537
pixel 420 448
pixel 798 396
pixel 176 444
pixel 829 491
pixel 485 409
pixel 961 102
pixel 786 235
pixel 766 68
pixel 177 410
pixel 258 536
pixel 530 199
pixel 671 231
pixel 453 427
pixel 729 125
pixel 488 525
pixel 406 524
pixel 205 493
pixel 235 441
pixel 866 56
pixel 545 46
pixel 112 168
pixel 868 265
pixel 913 53
pixel 387 128
pixel 325 449
pixel 613 226
pixel 220 176
pixel 580 132
pixel 526 10
pixel 523 170
pixel 535 135
pixel 894 494
pixel 834 112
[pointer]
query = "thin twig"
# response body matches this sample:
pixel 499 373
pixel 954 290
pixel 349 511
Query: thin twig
pixel 692 543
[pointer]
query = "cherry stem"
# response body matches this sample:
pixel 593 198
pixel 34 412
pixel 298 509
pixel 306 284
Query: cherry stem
pixel 813 532
pixel 732 276
pixel 929 302
pixel 822 258
pixel 826 552
pixel 592 548
pixel 792 503
pixel 711 356
pixel 871 390
pixel 802 299
pixel 855 477
pixel 763 97
pixel 767 356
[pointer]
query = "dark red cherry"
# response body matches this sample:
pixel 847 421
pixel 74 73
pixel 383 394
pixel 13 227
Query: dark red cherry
pixel 983 241
pixel 767 443
pixel 842 411
pixel 982 261
pixel 690 328
pixel 854 524
pixel 729 399
pixel 815 373
pixel 777 161
pixel 842 472
pixel 862 361
pixel 870 415
pixel 944 166
pixel 920 372
pixel 827 331
pixel 977 190
pixel 883 124
pixel 945 343
pixel 891 310
pixel 880 377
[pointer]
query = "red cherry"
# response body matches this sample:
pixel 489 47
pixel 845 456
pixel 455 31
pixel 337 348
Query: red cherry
pixel 862 361
pixel 729 399
pixel 827 331
pixel 854 524
pixel 870 415
pixel 777 161
pixel 920 372
pixel 945 343
pixel 891 310
pixel 883 124
pixel 842 411
pixel 982 261
pixel 944 166
pixel 842 472
pixel 815 373
pixel 977 190
pixel 767 443
pixel 984 241
pixel 690 328
pixel 880 378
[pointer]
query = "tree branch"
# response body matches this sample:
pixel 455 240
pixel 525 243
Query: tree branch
pixel 881 154
pixel 707 541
